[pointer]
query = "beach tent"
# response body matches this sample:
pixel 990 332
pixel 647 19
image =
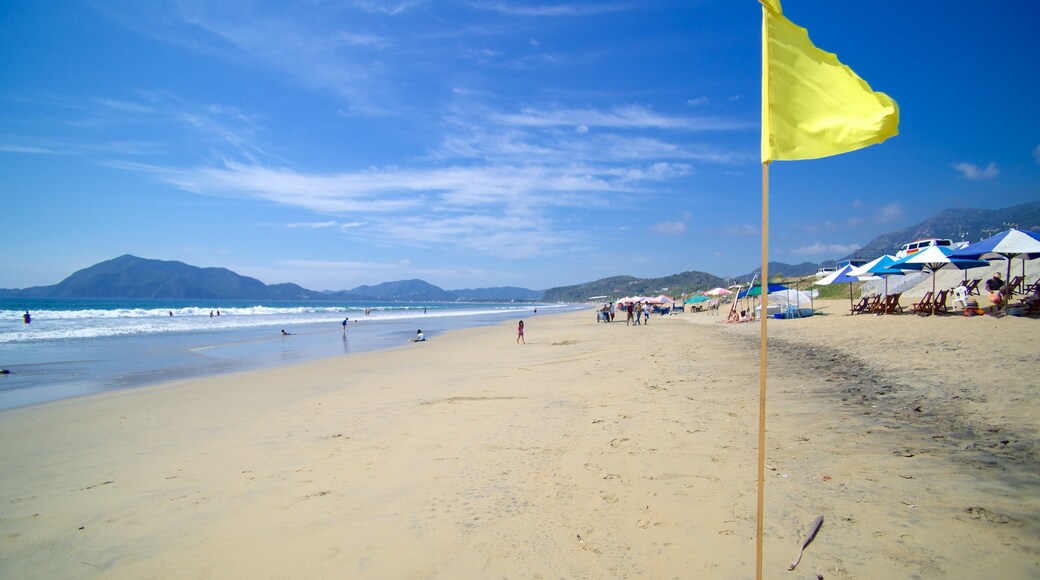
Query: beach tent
pixel 934 258
pixel 794 303
pixel 1006 246
pixel 717 292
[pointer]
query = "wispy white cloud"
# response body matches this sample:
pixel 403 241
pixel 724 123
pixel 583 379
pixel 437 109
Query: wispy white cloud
pixel 890 213
pixel 15 148
pixel 740 230
pixel 311 225
pixel 974 172
pixel 626 117
pixel 818 249
pixel 547 10
pixel 697 101
pixel 668 228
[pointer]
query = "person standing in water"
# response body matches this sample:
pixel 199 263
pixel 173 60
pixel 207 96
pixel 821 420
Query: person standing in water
pixel 26 318
pixel 520 333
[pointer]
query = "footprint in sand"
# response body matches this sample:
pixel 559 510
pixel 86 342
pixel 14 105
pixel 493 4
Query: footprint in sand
pixel 609 496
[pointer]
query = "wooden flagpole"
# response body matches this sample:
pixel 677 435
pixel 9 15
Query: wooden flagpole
pixel 762 373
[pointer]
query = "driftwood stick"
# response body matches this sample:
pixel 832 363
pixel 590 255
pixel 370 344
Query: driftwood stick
pixel 813 529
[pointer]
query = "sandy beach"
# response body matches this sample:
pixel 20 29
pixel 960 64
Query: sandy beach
pixel 593 451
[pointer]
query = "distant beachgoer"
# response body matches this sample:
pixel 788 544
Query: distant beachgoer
pixel 218 313
pixel 536 311
pixel 638 309
pixel 171 313
pixel 612 312
pixel 345 324
pixel 26 318
pixel 520 333
pixel 628 311
pixel 424 310
pixel 5 372
pixel 646 313
pixel 286 333
pixel 211 314
pixel 419 336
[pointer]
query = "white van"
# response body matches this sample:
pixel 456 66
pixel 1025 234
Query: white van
pixel 918 245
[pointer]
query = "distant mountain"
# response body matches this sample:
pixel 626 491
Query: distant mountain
pixel 788 270
pixel 955 224
pixel 130 277
pixel 404 290
pixel 618 286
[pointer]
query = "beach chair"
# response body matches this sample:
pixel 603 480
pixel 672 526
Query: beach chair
pixel 876 303
pixel 939 304
pixel 862 306
pixel 891 304
pixel 973 287
pixel 960 294
pixel 1013 286
pixel 1029 289
pixel 924 306
pixel 881 305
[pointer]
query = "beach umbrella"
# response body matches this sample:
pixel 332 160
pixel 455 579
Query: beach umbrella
pixel 717 292
pixel 840 277
pixel 756 290
pixel 696 300
pixel 1006 246
pixel 877 267
pixel 933 259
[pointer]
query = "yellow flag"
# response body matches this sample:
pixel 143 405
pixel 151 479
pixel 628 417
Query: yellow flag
pixel 812 105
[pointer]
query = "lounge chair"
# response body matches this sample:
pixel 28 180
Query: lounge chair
pixel 863 306
pixel 939 304
pixel 924 306
pixel 973 287
pixel 1014 286
pixel 1031 288
pixel 891 304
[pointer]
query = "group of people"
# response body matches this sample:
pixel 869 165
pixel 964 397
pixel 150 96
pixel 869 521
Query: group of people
pixel 1000 294
pixel 636 313
pixel 743 316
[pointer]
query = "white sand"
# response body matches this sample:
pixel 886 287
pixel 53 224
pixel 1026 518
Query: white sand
pixel 594 451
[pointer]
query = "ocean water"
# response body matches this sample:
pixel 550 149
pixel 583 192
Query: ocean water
pixel 75 347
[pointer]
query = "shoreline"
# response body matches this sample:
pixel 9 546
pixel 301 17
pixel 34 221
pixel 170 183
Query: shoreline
pixel 594 450
pixel 53 369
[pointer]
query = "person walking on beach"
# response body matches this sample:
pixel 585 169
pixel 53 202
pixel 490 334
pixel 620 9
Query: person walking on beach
pixel 646 313
pixel 520 333
pixel 345 325
pixel 612 312
pixel 628 311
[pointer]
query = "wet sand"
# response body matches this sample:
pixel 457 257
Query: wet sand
pixel 595 450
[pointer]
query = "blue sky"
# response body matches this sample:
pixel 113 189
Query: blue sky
pixel 482 143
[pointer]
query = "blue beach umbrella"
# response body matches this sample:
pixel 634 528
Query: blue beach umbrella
pixel 877 267
pixel 933 259
pixel 840 277
pixel 1005 245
